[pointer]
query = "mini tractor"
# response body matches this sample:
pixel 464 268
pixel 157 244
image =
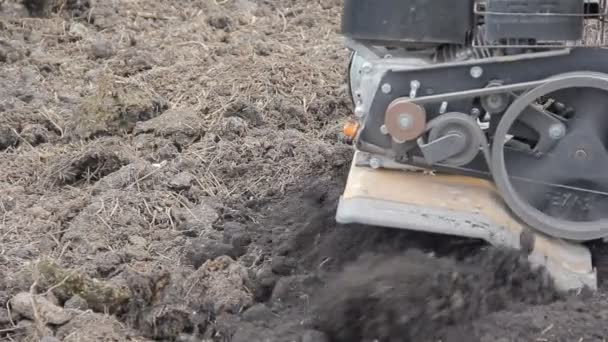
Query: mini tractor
pixel 485 119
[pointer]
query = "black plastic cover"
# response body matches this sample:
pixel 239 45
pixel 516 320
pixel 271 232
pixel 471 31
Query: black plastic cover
pixel 395 22
pixel 546 20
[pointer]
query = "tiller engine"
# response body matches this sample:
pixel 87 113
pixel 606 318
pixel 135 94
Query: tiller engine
pixel 485 119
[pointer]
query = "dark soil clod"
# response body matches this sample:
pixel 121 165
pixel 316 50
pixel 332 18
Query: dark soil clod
pixel 90 166
pixel 201 250
pixel 37 7
pixel 418 298
pixel 8 138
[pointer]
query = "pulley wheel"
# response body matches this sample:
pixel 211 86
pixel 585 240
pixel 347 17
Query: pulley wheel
pixel 457 123
pixel 550 156
pixel 404 120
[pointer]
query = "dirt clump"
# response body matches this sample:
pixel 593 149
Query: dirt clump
pixel 90 166
pixel 115 108
pixel 224 285
pixel 24 303
pixel 35 134
pixel 199 251
pixel 92 326
pixel 181 126
pixel 9 53
pixel 65 284
pixel 418 298
pixel 8 138
pixel 102 49
pixel 42 8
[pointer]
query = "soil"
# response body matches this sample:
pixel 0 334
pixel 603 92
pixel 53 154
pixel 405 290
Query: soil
pixel 170 172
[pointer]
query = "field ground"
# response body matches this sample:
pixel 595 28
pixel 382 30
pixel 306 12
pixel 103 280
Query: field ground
pixel 170 171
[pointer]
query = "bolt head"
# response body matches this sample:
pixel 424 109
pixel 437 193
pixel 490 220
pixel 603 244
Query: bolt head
pixel 383 130
pixel 476 72
pixel 557 131
pixel 405 121
pixel 375 163
pixel 386 88
pixel 367 67
pixel 581 154
pixel 359 111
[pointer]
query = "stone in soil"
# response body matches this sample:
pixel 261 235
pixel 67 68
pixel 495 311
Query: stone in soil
pixel 22 304
pixel 77 303
pixel 181 181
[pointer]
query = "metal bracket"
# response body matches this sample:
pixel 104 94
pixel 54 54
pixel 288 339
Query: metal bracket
pixel 443 148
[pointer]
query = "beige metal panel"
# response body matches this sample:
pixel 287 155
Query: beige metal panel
pixel 449 192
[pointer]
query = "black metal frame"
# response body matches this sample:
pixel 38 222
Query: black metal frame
pixel 446 79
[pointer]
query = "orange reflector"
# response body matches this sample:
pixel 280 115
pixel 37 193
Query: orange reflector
pixel 351 128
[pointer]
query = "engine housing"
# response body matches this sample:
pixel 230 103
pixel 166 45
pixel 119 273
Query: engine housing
pixel 399 22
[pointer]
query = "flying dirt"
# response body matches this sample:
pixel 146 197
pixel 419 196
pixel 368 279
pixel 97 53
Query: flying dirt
pixel 172 171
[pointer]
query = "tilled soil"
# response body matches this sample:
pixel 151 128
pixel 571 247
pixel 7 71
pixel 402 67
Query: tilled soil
pixel 170 172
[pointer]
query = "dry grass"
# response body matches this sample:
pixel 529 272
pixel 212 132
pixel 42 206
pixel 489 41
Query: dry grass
pixel 98 204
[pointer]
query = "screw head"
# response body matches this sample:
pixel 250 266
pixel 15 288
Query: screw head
pixel 476 72
pixel 557 131
pixel 366 67
pixel 386 88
